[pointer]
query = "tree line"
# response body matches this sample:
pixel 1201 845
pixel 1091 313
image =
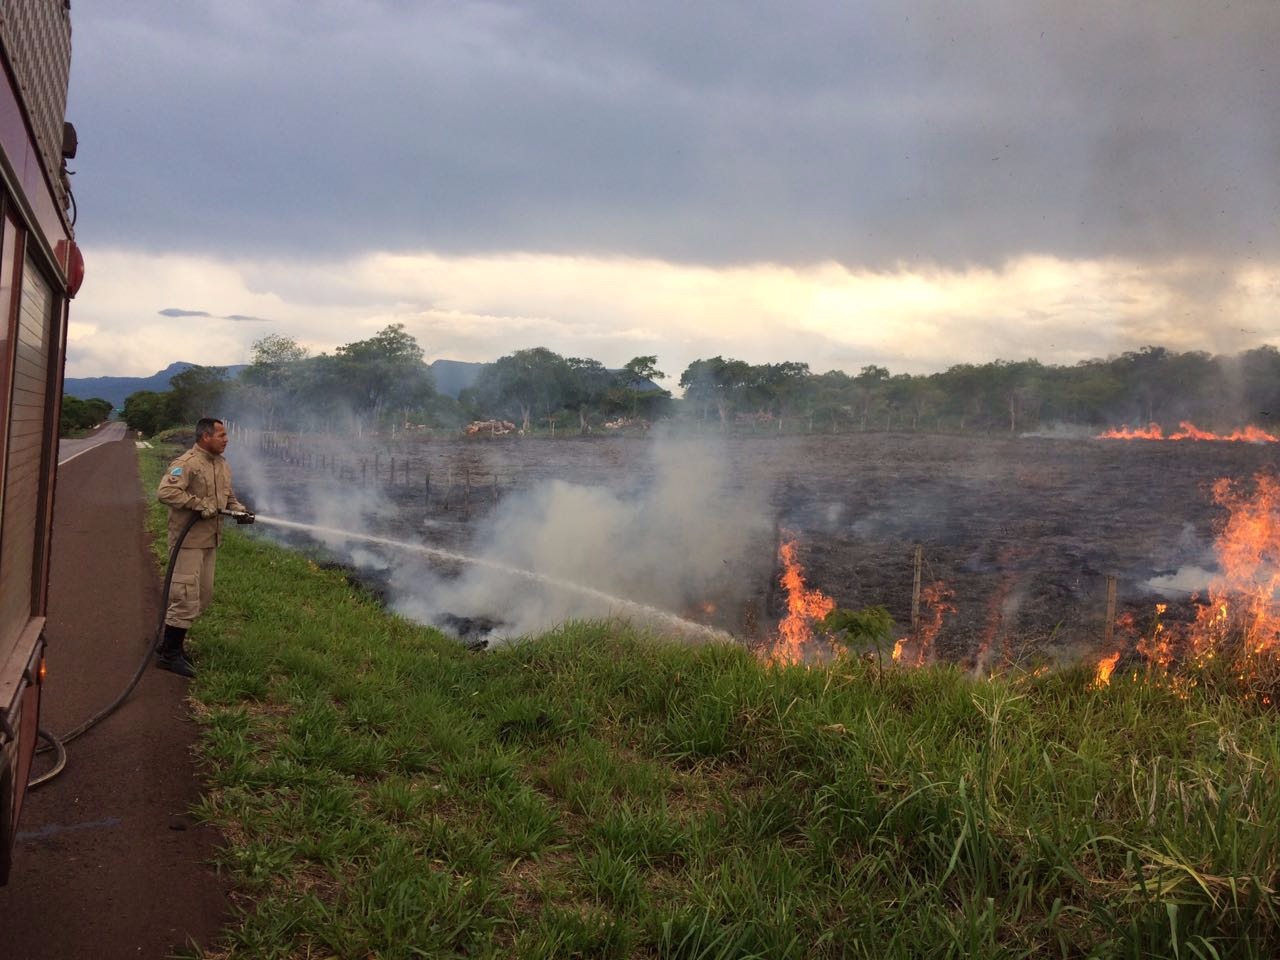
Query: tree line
pixel 80 414
pixel 383 383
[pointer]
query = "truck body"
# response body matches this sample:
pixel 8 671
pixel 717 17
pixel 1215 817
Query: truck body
pixel 40 269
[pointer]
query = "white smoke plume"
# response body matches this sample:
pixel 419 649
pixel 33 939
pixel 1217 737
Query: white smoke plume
pixel 680 533
pixel 692 535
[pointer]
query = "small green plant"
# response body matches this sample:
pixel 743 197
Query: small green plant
pixel 858 629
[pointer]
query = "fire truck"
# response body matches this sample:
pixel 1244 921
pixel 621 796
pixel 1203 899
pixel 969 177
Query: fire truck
pixel 40 271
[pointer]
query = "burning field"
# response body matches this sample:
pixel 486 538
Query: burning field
pixel 988 553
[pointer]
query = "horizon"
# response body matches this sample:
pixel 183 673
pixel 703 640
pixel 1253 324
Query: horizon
pixel 675 376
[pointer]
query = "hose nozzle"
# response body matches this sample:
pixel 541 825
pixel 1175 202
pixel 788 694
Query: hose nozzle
pixel 239 516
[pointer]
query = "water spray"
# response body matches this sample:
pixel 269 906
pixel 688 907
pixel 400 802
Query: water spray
pixel 630 607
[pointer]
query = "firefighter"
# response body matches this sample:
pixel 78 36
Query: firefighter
pixel 199 480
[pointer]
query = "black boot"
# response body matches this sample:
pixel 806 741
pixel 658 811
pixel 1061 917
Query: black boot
pixel 170 656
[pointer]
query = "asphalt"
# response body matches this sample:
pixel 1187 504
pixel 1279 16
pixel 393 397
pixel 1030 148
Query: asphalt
pixel 109 863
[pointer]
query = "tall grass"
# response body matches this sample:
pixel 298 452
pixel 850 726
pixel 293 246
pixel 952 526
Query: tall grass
pixel 596 792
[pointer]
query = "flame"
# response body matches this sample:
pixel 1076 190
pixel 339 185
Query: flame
pixel 937 599
pixel 1152 432
pixel 804 608
pixel 1106 666
pixel 995 623
pixel 1189 431
pixel 1241 620
pixel 1248 550
pixel 1157 650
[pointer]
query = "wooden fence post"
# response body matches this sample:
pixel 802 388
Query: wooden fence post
pixel 1109 623
pixel 915 591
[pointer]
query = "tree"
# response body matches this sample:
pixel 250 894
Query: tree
pixel 828 398
pixel 523 382
pixel 717 382
pixel 376 376
pixel 149 411
pixel 1023 391
pixel 638 382
pixel 870 388
pixel 923 398
pixel 587 386
pixel 1090 393
pixel 785 388
pixel 273 373
pixel 80 414
pixel 197 392
pixel 1146 371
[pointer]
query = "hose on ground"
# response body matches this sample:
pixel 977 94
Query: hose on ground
pixel 59 744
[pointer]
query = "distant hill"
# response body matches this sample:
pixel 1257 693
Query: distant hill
pixel 115 389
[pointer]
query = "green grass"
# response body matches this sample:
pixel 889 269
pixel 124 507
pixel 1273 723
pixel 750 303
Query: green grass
pixel 595 792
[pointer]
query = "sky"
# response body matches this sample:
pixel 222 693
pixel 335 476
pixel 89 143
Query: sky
pixel 908 183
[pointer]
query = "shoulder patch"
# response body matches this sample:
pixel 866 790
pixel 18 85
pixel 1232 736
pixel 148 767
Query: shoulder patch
pixel 176 471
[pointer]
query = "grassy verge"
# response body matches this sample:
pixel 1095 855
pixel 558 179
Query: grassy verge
pixel 597 793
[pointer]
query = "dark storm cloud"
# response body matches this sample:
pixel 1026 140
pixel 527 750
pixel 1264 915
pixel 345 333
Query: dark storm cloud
pixel 869 133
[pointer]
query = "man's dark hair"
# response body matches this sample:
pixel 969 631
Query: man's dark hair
pixel 204 427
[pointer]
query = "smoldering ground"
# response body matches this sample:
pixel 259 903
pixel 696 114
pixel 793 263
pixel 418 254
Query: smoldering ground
pixel 1024 531
pixel 680 532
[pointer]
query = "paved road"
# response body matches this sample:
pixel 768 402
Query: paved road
pixel 108 864
pixel 103 433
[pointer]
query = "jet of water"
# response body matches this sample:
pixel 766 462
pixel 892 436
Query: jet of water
pixel 631 608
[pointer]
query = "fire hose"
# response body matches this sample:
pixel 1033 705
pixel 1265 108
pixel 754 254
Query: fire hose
pixel 59 744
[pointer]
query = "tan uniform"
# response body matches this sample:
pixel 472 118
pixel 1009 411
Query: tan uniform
pixel 194 480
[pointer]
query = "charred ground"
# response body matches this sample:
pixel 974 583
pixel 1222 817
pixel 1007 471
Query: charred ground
pixel 1022 531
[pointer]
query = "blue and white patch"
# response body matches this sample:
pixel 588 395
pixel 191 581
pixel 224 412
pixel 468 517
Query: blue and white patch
pixel 176 471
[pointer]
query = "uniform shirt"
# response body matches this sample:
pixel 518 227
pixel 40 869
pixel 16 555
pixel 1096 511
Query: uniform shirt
pixel 193 480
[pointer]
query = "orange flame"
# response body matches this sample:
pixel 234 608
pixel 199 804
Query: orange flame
pixel 995 622
pixel 1157 649
pixel 1248 550
pixel 1189 431
pixel 804 608
pixel 1242 618
pixel 1106 667
pixel 937 599
pixel 1153 432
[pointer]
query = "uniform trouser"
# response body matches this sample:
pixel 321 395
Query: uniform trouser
pixel 192 586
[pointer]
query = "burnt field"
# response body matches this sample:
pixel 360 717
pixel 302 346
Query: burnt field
pixel 1021 533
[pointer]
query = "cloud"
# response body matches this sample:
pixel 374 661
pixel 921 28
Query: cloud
pixel 870 134
pixel 238 317
pixel 910 319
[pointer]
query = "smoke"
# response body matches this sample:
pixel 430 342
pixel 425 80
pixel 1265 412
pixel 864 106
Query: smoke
pixel 1061 431
pixel 681 532
pixel 689 535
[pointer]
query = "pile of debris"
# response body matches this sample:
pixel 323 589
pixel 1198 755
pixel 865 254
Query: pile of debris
pixel 495 428
pixel 626 423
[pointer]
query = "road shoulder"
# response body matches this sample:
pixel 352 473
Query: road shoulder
pixel 109 862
